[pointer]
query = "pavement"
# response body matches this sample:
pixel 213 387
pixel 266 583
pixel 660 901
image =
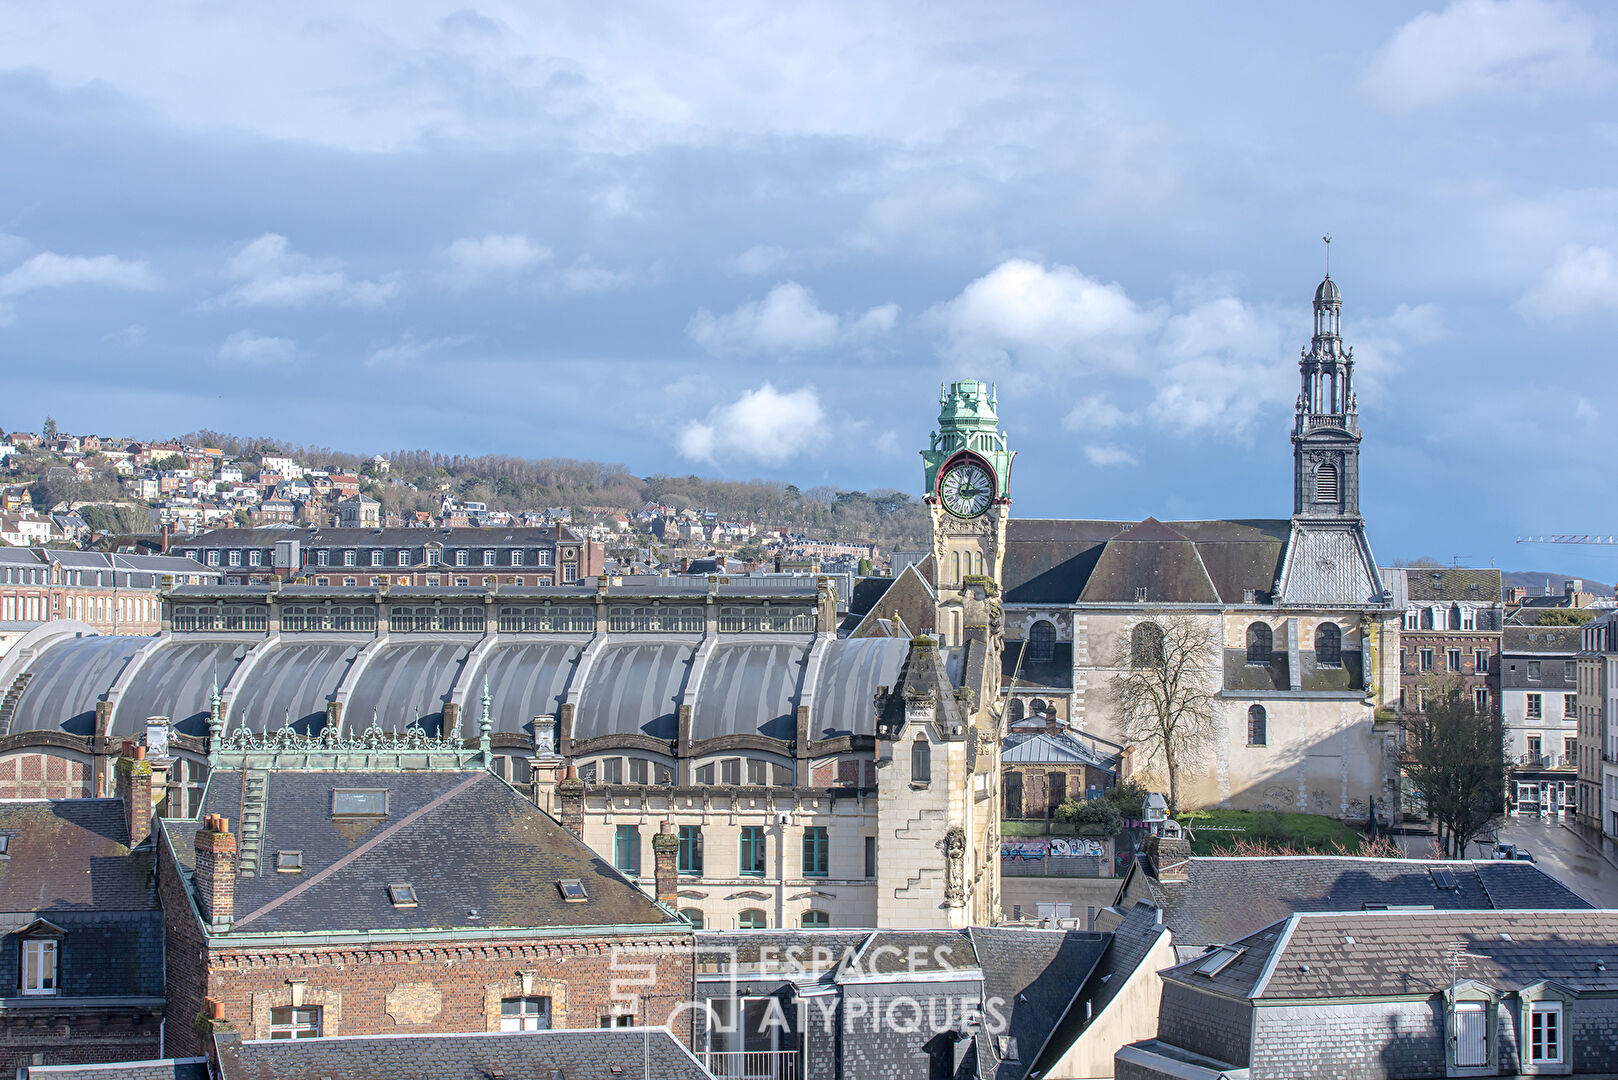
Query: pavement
pixel 1586 864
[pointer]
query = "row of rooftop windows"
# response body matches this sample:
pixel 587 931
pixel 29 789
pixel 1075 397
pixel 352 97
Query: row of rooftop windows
pixel 471 618
pixel 540 557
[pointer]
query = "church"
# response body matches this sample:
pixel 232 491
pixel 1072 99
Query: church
pixel 1298 637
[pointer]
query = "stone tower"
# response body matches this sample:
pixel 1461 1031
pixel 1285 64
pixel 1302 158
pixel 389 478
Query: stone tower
pixel 967 471
pixel 1326 433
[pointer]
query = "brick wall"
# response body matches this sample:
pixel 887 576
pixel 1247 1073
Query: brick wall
pixel 1205 1023
pixel 184 971
pixel 44 775
pixel 63 1035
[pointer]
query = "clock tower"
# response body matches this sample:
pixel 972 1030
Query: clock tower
pixel 968 475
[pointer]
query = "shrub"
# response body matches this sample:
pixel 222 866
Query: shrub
pixel 1090 817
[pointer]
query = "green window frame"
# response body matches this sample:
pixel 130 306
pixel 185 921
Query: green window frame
pixel 690 855
pixel 626 850
pixel 816 852
pixel 752 851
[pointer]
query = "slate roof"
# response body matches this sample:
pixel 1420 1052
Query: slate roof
pixel 889 952
pixel 777 951
pixel 1130 943
pixel 72 855
pixel 1229 898
pixel 1036 974
pixel 574 1054
pixel 1064 562
pixel 910 596
pixel 1541 639
pixel 165 1069
pixel 1382 954
pixel 267 536
pixel 1034 675
pixel 1423 584
pixel 465 840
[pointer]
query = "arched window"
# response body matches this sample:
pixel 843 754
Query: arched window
pixel 1042 640
pixel 1326 483
pixel 1426 618
pixel 1258 726
pixel 814 920
pixel 1260 643
pixel 957 561
pixel 1328 645
pixel 753 919
pixel 921 762
pixel 692 916
pixel 1037 707
pixel 1014 710
pixel 1455 616
pixel 1146 645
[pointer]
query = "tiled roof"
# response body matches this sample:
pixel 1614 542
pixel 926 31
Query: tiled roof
pixel 1226 899
pixel 72 855
pixel 1035 974
pixel 478 854
pixel 1382 954
pixel 165 1069
pixel 576 1054
pixel 1541 639
pixel 1424 584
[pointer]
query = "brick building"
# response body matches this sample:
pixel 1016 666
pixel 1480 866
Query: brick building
pixel 114 594
pixel 1453 620
pixel 376 886
pixel 378 557
pixel 81 959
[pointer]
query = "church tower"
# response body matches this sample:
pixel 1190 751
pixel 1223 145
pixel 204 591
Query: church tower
pixel 1326 432
pixel 967 471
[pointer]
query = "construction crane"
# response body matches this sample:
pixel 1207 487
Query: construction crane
pixel 1568 538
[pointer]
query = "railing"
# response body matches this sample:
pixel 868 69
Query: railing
pixel 1546 761
pixel 752 1064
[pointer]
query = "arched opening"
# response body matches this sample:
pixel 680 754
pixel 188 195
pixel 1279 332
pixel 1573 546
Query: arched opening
pixel 1146 645
pixel 815 920
pixel 1328 645
pixel 1042 641
pixel 753 919
pixel 1455 616
pixel 1258 726
pixel 1037 707
pixel 921 762
pixel 693 916
pixel 1326 483
pixel 1014 710
pixel 1260 643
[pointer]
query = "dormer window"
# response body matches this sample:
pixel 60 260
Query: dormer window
pixel 39 967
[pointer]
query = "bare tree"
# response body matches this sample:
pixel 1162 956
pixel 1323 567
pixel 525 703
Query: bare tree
pixel 1164 696
pixel 1456 758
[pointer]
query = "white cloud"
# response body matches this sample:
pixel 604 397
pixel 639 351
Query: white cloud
pixel 271 274
pixel 495 254
pixel 408 349
pixel 759 259
pixel 247 349
pixel 48 270
pixel 787 320
pixel 1581 281
pixel 1478 47
pixel 1106 457
pixel 764 426
pixel 585 278
pixel 1023 312
pixel 1096 412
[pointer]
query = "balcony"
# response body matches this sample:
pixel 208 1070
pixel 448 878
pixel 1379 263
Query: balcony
pixel 1545 761
pixel 752 1064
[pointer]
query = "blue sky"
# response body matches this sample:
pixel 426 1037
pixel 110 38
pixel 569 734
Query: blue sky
pixel 750 240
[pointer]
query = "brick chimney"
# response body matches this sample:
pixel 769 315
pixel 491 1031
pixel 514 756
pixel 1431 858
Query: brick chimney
pixel 570 794
pixel 1171 858
pixel 134 787
pixel 215 875
pixel 665 858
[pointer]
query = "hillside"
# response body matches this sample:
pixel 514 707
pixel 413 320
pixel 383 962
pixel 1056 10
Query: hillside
pixel 1534 581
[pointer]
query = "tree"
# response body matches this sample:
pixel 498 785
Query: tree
pixel 1164 695
pixel 1090 817
pixel 1456 758
pixel 1566 617
pixel 48 431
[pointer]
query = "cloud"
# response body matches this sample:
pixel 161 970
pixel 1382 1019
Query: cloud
pixel 408 349
pixel 495 254
pixel 271 274
pixel 764 426
pixel 1478 47
pixel 1096 412
pixel 788 320
pixel 1581 281
pixel 582 277
pixel 247 349
pixel 758 260
pixel 1106 457
pixel 48 270
pixel 1023 312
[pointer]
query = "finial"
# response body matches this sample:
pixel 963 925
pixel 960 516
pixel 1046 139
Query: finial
pixel 1327 239
pixel 484 722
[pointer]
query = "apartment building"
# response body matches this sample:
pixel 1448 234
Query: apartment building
pixel 1597 796
pixel 115 594
pixel 1539 703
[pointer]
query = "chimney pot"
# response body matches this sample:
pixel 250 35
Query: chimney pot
pixel 140 753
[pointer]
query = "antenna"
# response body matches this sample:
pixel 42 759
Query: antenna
pixel 1327 239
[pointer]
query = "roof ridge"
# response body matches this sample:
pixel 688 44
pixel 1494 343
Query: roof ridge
pixel 346 860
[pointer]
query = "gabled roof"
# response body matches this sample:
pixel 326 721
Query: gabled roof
pixel 1045 748
pixel 1225 899
pixel 573 1054
pixel 72 855
pixel 478 854
pixel 1035 974
pixel 906 605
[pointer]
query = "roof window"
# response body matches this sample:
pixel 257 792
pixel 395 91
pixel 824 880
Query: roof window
pixel 5 843
pixel 289 862
pixel 402 896
pixel 1443 878
pixel 359 802
pixel 572 890
pixel 1218 960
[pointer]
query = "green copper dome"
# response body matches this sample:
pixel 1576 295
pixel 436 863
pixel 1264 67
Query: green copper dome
pixel 968 420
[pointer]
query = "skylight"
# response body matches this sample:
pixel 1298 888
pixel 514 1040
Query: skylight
pixel 1443 877
pixel 359 802
pixel 572 890
pixel 1218 960
pixel 288 862
pixel 402 895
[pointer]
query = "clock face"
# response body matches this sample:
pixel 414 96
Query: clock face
pixel 967 489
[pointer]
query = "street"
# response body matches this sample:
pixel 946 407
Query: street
pixel 1556 850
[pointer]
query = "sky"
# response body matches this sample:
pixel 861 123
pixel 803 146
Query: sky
pixel 751 240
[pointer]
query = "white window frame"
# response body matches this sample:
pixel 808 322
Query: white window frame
pixel 296 1029
pixel 488 557
pixel 41 967
pixel 522 1019
pixel 1540 1041
pixel 460 557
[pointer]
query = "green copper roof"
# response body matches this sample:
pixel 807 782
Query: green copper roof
pixel 967 420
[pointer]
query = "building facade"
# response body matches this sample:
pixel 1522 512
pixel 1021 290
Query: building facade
pixel 1596 804
pixel 1450 635
pixel 1539 703
pixel 112 594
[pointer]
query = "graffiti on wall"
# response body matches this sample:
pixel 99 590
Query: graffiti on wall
pixel 1044 847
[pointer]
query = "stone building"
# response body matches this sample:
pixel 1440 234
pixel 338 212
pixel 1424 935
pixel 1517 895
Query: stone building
pixel 1596 804
pixel 1539 706
pixel 1450 635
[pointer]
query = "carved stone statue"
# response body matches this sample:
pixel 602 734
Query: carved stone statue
pixel 954 848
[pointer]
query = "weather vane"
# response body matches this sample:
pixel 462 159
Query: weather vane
pixel 1327 239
